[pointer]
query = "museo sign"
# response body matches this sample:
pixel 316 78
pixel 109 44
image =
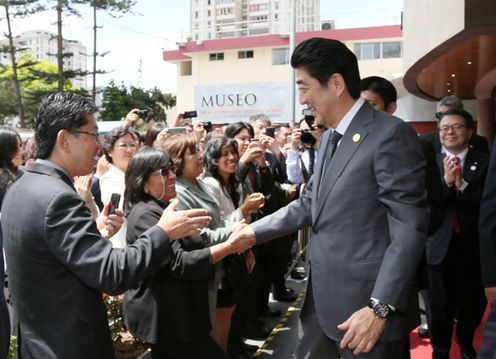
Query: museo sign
pixel 237 102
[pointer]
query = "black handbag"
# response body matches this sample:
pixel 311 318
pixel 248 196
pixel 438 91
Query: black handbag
pixel 236 280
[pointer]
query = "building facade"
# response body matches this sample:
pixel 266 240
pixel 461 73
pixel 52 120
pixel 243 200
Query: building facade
pixel 42 45
pixel 217 19
pixel 227 80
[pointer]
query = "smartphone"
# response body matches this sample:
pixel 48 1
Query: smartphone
pixel 190 114
pixel 173 130
pixel 269 131
pixel 115 198
pixel 254 142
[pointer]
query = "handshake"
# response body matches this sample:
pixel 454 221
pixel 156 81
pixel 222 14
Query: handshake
pixel 242 238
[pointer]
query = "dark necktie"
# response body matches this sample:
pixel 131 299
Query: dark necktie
pixel 331 149
pixel 333 143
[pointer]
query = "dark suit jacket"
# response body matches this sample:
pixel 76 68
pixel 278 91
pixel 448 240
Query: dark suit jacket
pixel 477 142
pixel 464 206
pixel 487 228
pixel 172 304
pixel 59 265
pixel 369 222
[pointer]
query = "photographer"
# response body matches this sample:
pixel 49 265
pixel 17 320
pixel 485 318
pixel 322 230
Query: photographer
pixel 303 152
pixel 133 117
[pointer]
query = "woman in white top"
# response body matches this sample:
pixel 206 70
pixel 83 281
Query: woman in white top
pixel 120 145
pixel 220 161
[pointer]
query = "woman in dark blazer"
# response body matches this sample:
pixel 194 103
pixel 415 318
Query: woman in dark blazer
pixel 169 309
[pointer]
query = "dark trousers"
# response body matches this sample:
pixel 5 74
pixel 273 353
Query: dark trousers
pixel 205 348
pixel 315 344
pixel 455 291
pixel 488 347
pixel 280 256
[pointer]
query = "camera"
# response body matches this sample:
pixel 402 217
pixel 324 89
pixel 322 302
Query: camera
pixel 270 131
pixel 142 114
pixel 207 126
pixel 309 118
pixel 306 136
pixel 190 114
pixel 115 198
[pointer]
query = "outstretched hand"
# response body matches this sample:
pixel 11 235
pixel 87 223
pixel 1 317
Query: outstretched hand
pixel 242 238
pixel 180 224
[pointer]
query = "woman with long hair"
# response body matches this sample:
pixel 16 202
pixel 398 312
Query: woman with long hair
pixel 170 309
pixel 220 162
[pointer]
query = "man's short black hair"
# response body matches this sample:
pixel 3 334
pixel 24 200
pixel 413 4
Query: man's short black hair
pixel 469 120
pixel 59 111
pixel 322 58
pixel 382 87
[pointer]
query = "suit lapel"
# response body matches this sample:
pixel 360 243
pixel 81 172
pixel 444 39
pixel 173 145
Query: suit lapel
pixel 318 169
pixel 350 142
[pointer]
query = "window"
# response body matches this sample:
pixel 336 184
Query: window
pixel 245 54
pixel 216 56
pixel 209 13
pixel 185 68
pixel 378 50
pixel 367 50
pixel 280 56
pixel 263 30
pixel 391 49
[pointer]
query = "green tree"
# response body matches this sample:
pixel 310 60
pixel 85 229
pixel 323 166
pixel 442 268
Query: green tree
pixel 37 80
pixel 17 9
pixel 119 100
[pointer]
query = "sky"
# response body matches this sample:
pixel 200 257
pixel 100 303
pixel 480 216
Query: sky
pixel 135 42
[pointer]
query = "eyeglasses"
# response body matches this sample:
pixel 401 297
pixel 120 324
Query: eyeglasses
pixel 456 127
pixel 125 146
pixel 96 135
pixel 165 171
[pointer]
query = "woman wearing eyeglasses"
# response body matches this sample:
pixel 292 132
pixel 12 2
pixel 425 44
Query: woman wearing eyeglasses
pixel 119 146
pixel 170 309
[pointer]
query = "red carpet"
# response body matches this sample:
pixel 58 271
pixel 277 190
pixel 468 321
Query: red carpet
pixel 421 348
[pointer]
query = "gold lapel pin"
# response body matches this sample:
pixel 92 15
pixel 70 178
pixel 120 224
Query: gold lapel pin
pixel 356 137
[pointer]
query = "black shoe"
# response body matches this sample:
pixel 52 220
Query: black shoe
pixel 288 296
pixel 259 333
pixel 298 276
pixel 423 331
pixel 468 353
pixel 272 313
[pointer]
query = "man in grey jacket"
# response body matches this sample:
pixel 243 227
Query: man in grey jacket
pixel 367 207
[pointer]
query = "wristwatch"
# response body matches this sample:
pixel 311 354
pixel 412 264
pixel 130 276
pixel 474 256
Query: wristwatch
pixel 380 309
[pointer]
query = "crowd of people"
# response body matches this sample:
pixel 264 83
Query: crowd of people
pixel 196 228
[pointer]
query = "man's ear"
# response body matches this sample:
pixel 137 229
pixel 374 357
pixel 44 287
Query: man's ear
pixel 63 141
pixel 336 81
pixel 391 108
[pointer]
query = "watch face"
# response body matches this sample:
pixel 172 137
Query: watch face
pixel 382 310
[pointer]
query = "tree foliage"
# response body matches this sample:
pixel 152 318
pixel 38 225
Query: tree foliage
pixel 119 100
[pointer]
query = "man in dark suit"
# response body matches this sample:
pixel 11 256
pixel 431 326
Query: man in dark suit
pixel 487 240
pixel 476 142
pixel 58 260
pixel 367 207
pixel 455 287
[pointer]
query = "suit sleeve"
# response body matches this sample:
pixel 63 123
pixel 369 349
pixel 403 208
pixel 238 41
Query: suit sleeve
pixel 400 177
pixel 73 238
pixel 289 219
pixel 487 227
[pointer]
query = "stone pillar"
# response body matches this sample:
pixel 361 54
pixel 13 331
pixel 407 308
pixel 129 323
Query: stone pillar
pixel 486 118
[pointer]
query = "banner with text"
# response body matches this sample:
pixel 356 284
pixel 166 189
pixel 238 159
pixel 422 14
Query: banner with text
pixel 237 102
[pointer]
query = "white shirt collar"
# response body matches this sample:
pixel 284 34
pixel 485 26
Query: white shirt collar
pixel 461 155
pixel 345 122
